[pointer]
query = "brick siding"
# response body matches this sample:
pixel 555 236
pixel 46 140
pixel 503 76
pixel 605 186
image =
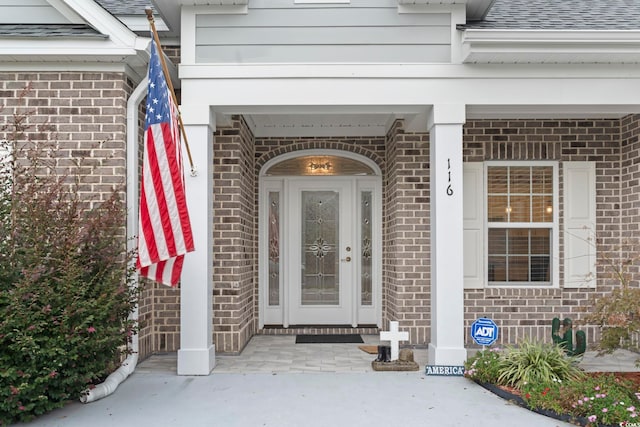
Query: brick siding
pixel 527 312
pixel 86 113
pixel 234 238
pixel 406 250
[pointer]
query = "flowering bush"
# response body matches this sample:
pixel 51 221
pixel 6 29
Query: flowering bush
pixel 602 399
pixel 557 385
pixel 543 395
pixel 64 294
pixel 484 366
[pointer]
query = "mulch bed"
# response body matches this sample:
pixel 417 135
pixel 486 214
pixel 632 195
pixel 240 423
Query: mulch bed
pixel 513 395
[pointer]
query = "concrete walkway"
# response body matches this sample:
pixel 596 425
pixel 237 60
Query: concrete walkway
pixel 275 382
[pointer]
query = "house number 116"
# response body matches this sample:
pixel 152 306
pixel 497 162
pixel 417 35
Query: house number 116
pixel 449 189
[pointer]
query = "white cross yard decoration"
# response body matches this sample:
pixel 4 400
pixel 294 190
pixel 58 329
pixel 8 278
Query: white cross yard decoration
pixel 394 336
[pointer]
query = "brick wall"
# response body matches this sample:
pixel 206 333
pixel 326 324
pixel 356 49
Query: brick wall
pixel 235 238
pixel 85 115
pixel 630 195
pixel 524 312
pixel 406 266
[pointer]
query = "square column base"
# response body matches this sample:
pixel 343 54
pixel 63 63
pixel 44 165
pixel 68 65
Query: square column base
pixel 447 356
pixel 196 361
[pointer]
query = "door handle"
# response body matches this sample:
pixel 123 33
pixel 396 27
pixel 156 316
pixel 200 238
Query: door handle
pixel 347 259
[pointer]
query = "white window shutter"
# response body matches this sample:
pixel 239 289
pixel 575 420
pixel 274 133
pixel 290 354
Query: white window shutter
pixel 473 201
pixel 579 224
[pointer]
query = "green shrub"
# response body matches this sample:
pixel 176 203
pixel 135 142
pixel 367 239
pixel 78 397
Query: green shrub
pixel 484 366
pixel 64 276
pixel 617 313
pixel 536 363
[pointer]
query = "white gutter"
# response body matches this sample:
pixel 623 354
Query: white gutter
pixel 550 46
pixel 129 365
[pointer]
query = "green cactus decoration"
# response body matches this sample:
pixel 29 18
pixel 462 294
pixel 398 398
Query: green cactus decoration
pixel 566 340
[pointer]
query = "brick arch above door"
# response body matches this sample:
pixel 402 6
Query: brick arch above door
pixel 371 148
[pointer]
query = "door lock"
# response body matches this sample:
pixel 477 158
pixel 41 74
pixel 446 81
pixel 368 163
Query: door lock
pixel 347 259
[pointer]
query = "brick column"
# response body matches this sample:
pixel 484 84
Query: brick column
pixel 447 278
pixel 197 352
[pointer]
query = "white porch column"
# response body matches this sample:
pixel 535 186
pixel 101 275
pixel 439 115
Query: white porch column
pixel 197 353
pixel 447 277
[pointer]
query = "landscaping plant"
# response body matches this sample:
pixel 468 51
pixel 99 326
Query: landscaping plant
pixel 548 380
pixel 618 313
pixel 602 399
pixel 533 362
pixel 484 366
pixel 64 276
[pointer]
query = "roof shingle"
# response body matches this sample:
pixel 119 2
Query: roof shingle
pixel 48 30
pixel 561 15
pixel 128 7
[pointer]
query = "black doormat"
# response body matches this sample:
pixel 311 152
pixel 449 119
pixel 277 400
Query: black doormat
pixel 329 339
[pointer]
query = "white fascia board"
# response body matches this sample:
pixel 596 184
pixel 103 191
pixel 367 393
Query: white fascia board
pixel 556 36
pixel 103 21
pixel 412 92
pixel 406 71
pixel 571 46
pixel 67 64
pixel 66 11
pixel 141 23
pixel 53 47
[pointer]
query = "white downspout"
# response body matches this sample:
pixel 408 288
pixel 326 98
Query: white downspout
pixel 129 365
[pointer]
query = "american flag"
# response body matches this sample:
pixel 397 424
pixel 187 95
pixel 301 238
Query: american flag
pixel 164 227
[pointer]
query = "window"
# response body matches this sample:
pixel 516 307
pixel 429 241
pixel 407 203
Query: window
pixel 521 223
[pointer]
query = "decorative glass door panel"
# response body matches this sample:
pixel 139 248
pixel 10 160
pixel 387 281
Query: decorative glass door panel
pixel 320 273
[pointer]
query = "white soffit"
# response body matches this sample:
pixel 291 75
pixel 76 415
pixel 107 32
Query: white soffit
pixel 476 9
pixel 265 125
pixel 170 9
pixel 323 121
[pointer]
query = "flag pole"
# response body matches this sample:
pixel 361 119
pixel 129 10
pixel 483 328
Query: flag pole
pixel 167 77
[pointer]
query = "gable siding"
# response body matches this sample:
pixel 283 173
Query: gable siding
pixel 30 12
pixel 279 31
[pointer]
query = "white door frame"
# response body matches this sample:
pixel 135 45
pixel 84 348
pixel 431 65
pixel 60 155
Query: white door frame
pixel 370 314
pixel 343 312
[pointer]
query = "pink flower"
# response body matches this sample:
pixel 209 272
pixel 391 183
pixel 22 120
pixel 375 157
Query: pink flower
pixel 53 374
pixel 631 409
pixel 91 329
pixel 22 408
pixel 592 418
pixel 597 387
pixel 605 410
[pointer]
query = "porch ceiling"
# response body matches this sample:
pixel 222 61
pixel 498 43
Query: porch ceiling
pixel 328 121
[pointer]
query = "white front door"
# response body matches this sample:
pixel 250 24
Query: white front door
pixel 320 245
pixel 320 278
